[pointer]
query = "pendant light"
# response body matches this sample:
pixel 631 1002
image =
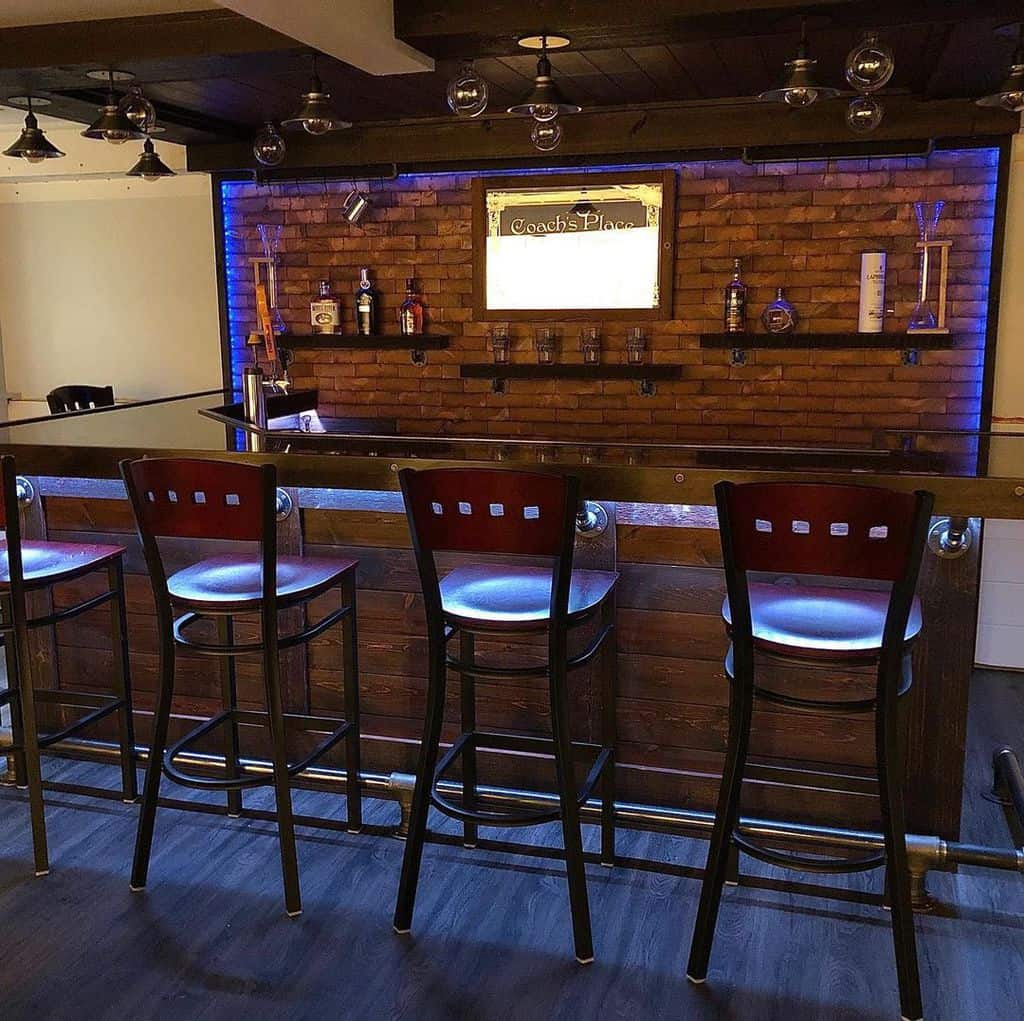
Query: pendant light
pixel 315 116
pixel 1010 95
pixel 149 166
pixel 139 110
pixel 112 125
pixel 269 146
pixel 31 145
pixel 799 88
pixel 467 92
pixel 545 101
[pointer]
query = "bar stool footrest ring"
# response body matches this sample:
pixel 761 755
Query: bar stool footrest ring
pixel 342 729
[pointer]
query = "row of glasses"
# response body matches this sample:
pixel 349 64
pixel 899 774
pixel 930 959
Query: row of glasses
pixel 546 340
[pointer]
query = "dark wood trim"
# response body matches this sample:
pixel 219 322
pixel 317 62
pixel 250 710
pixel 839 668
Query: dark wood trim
pixel 578 370
pixel 119 42
pixel 994 286
pixel 666 237
pixel 788 341
pixel 374 342
pixel 451 29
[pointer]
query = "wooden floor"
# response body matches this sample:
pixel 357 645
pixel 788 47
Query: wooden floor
pixel 209 937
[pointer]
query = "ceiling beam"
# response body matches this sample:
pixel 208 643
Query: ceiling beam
pixel 117 42
pixel 622 132
pixel 459 29
pixel 359 32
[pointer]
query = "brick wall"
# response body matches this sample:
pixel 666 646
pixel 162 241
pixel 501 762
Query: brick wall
pixel 799 226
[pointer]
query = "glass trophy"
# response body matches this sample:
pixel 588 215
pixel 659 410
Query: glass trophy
pixel 930 316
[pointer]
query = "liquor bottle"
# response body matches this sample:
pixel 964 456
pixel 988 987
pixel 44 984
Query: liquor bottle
pixel 735 310
pixel 779 316
pixel 366 305
pixel 410 314
pixel 325 310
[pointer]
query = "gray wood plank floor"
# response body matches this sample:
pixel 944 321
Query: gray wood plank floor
pixel 209 939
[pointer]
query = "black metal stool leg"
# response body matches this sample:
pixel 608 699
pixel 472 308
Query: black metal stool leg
pixel 609 692
pixel 122 681
pixel 894 827
pixel 350 667
pixel 424 783
pixel 17 730
pixel 726 818
pixel 279 755
pixel 25 703
pixel 571 837
pixel 229 701
pixel 155 766
pixel 467 688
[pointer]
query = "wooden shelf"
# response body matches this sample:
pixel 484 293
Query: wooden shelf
pixel 787 341
pixel 359 342
pixel 578 370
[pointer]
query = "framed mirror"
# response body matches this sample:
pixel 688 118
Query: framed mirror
pixel 574 246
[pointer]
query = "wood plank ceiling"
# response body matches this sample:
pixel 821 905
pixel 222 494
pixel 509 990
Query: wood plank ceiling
pixel 214 76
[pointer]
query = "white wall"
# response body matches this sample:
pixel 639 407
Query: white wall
pixel 1001 611
pixel 104 279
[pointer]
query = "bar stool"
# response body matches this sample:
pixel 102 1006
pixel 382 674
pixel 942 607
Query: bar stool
pixel 63 399
pixel 515 514
pixel 30 566
pixel 851 532
pixel 199 499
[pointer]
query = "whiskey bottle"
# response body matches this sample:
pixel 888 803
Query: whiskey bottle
pixel 366 305
pixel 735 309
pixel 410 314
pixel 779 316
pixel 325 310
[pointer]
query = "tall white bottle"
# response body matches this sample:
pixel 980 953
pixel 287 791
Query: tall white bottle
pixel 871 318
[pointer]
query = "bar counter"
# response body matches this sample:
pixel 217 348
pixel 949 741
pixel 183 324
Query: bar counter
pixel 661 536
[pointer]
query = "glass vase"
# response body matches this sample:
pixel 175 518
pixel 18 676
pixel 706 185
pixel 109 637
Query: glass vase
pixel 923 317
pixel 270 239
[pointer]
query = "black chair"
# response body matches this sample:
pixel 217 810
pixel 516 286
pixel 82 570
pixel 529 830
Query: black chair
pixel 514 514
pixel 849 532
pixel 30 566
pixel 79 398
pixel 197 499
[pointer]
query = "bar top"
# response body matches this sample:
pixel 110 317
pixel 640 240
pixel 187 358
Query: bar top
pixel 329 452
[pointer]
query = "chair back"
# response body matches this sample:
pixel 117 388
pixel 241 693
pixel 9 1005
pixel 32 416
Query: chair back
pixel 79 398
pixel 492 511
pixel 843 531
pixel 192 498
pixel 834 530
pixel 481 510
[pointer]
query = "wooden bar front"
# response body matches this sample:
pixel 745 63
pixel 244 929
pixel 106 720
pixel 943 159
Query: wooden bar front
pixel 673 694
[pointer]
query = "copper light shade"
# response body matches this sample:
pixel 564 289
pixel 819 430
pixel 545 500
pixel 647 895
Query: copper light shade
pixel 316 115
pixel 149 166
pixel 1010 95
pixel 545 101
pixel 32 145
pixel 799 87
pixel 113 124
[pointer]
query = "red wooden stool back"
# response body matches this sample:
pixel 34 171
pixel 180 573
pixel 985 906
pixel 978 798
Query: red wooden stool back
pixel 832 530
pixel 487 510
pixel 192 498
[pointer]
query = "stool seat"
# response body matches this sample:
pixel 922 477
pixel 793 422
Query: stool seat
pixel 820 622
pixel 46 563
pixel 234 582
pixel 517 598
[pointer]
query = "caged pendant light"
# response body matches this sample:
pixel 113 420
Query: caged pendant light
pixel 31 145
